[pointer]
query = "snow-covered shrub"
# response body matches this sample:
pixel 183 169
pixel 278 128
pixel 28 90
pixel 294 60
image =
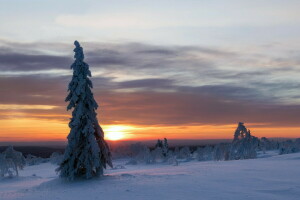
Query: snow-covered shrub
pixel 10 161
pixel 172 161
pixel 199 154
pixel 218 153
pixel 34 160
pixel 221 152
pixel 159 144
pixel 184 153
pixel 208 153
pixel 289 146
pixel 140 154
pixel 163 145
pixel 157 155
pixel 265 144
pixel 56 158
pixel 5 167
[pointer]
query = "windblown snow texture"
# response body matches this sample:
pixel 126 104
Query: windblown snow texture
pixel 86 153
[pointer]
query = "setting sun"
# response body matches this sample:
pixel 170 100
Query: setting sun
pixel 116 132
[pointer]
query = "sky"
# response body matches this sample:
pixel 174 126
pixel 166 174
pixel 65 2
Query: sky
pixel 178 69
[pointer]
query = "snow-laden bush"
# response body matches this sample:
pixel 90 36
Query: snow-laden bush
pixel 204 154
pixel 221 152
pixel 163 145
pixel 56 158
pixel 173 161
pixel 34 160
pixel 10 161
pixel 289 146
pixel 140 154
pixel 184 153
pixel 157 155
pixel 265 144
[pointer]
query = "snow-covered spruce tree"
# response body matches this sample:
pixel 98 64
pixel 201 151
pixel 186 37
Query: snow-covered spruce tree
pixel 165 147
pixel 87 153
pixel 159 143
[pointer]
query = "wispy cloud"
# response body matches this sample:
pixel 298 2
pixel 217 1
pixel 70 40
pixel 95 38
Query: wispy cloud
pixel 153 85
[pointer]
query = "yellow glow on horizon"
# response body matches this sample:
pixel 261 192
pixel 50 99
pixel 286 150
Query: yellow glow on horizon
pixel 117 132
pixel 22 128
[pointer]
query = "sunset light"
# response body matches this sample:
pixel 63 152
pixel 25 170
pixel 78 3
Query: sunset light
pixel 129 99
pixel 116 132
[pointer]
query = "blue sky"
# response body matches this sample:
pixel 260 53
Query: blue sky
pixel 230 23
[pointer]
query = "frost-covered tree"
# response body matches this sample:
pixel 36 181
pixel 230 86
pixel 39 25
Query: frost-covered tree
pixel 184 153
pixel 241 132
pixel 34 160
pixel 159 143
pixel 157 155
pixel 87 153
pixel 221 152
pixel 218 153
pixel 200 154
pixel 140 153
pixel 289 146
pixel 165 147
pixel 207 153
pixel 56 158
pixel 10 161
pixel 244 145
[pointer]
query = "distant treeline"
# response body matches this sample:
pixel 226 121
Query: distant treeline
pixel 43 152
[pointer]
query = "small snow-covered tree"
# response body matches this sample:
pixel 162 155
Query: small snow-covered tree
pixel 200 154
pixel 159 143
pixel 221 152
pixel 289 146
pixel 218 154
pixel 10 161
pixel 165 147
pixel 56 158
pixel 244 145
pixel 176 152
pixel 184 153
pixel 241 132
pixel 157 155
pixel 140 153
pixel 207 153
pixel 87 153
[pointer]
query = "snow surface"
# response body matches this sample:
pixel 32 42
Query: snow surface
pixel 269 177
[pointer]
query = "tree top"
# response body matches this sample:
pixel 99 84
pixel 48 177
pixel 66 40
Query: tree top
pixel 78 51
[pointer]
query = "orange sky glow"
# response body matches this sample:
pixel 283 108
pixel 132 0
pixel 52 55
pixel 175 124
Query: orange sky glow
pixel 27 129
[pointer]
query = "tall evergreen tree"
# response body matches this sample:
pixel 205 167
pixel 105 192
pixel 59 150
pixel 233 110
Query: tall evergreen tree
pixel 87 153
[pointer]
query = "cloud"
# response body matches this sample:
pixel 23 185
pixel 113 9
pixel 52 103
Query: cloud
pixel 11 61
pixel 150 84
